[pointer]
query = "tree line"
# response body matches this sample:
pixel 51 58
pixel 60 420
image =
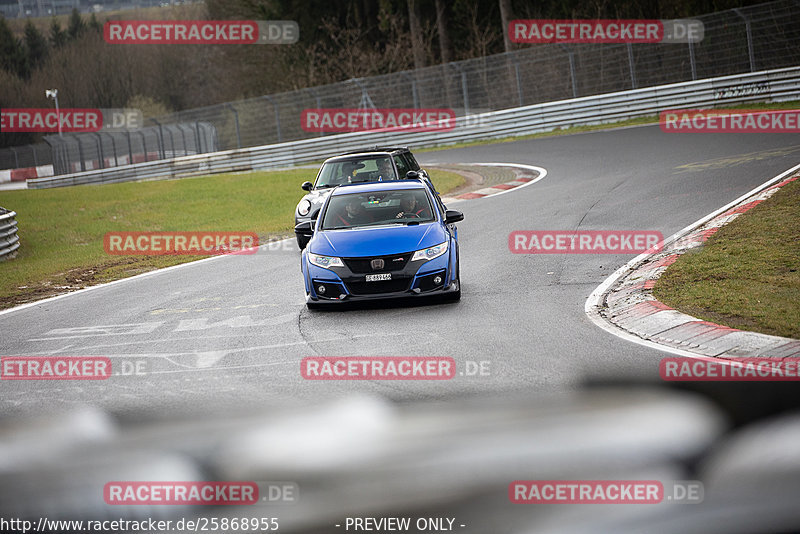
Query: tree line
pixel 338 41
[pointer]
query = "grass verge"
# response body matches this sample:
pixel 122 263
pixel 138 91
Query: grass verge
pixel 61 230
pixel 747 275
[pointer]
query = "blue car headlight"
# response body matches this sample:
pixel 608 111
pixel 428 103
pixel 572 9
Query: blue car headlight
pixel 430 253
pixel 326 262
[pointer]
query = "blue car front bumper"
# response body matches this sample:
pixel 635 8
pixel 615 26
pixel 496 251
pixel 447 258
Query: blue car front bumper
pixel 408 279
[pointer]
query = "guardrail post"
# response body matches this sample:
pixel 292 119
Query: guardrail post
pixel 631 66
pixel 749 32
pixel 236 120
pixel 572 74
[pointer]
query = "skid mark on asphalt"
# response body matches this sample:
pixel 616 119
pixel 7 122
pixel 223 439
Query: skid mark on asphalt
pixel 732 161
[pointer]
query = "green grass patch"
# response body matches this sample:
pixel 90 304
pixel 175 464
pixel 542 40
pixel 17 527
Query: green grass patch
pixel 61 230
pixel 747 275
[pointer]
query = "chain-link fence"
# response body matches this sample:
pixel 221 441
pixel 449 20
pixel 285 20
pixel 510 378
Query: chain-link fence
pixel 101 150
pixel 766 36
pixel 76 152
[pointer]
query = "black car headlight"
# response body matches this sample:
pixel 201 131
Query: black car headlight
pixel 304 207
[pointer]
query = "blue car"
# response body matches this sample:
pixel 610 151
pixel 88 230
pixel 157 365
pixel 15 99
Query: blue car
pixel 381 240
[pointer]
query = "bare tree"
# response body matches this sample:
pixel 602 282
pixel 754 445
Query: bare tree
pixel 417 44
pixel 506 17
pixel 442 24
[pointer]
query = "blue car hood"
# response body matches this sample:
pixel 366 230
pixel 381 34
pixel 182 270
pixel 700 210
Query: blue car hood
pixel 378 241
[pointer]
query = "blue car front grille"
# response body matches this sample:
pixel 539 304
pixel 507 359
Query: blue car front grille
pixel 393 263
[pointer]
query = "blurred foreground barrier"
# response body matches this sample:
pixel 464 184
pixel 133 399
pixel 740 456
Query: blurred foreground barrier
pixel 777 85
pixel 9 240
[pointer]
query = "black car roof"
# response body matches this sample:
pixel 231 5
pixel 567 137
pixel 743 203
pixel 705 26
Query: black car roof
pixel 376 148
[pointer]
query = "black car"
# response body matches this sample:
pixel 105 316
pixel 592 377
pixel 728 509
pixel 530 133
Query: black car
pixel 374 164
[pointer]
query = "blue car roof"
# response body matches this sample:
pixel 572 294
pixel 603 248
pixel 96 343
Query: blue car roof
pixel 390 185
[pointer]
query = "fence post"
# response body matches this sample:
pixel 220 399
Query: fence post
pixel 236 119
pixel 183 136
pixel 144 144
pixel 631 66
pixel 171 142
pixel 464 88
pixel 130 147
pixel 160 139
pixel 277 116
pixel 516 74
pixel 197 144
pixel 414 93
pixel 16 157
pixel 35 159
pixel 571 70
pixel 749 32
pixel 114 147
pixel 80 152
pixel 692 61
pixel 319 104
pixel 53 156
pixel 100 155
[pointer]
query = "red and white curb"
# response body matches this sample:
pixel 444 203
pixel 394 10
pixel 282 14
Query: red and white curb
pixel 624 304
pixel 20 175
pixel 499 189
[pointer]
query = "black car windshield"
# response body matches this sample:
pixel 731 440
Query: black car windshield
pixel 358 169
pixel 403 206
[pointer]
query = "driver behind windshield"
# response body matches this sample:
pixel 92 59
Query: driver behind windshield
pixel 412 209
pixel 353 214
pixel 385 170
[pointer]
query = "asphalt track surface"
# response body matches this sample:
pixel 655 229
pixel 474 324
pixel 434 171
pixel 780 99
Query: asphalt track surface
pixel 229 333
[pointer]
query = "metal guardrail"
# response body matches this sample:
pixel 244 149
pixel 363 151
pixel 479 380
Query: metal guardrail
pixel 9 240
pixel 773 86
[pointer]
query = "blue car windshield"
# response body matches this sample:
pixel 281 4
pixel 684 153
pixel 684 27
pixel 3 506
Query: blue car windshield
pixel 403 206
pixel 354 170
